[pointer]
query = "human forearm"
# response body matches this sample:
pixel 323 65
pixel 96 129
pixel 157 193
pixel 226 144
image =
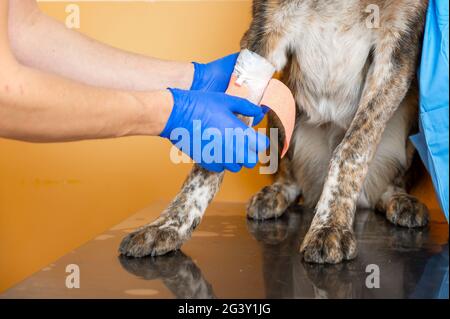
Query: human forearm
pixel 39 107
pixel 40 42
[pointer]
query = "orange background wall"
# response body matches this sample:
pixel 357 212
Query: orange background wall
pixel 55 197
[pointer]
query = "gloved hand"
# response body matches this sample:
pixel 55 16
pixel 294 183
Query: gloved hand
pixel 214 76
pixel 202 125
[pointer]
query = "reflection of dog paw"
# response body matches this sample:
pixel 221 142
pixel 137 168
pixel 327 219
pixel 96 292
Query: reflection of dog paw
pixel 151 240
pixel 268 203
pixel 269 232
pixel 407 239
pixel 329 245
pixel 141 267
pixel 407 211
pixel 177 271
pixel 166 266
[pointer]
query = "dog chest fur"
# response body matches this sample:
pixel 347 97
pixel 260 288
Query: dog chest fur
pixel 329 49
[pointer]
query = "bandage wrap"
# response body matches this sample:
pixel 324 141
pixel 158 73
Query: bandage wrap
pixel 252 79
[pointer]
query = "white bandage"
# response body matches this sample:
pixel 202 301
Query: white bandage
pixel 255 72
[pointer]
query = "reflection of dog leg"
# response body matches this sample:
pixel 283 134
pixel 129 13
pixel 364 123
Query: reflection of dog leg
pixel 178 272
pixel 277 231
pixel 279 239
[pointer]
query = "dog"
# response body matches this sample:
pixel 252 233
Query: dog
pixel 351 66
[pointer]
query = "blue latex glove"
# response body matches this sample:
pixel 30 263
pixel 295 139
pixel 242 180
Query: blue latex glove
pixel 196 114
pixel 214 76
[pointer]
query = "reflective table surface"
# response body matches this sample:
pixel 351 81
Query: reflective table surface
pixel 232 257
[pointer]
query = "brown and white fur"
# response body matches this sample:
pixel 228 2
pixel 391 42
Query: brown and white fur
pixel 357 104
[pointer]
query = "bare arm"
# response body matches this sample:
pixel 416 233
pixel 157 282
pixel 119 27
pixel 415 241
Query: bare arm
pixel 40 42
pixel 42 107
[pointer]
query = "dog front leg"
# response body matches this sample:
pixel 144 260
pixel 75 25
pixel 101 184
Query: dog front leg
pixel 330 238
pixel 176 223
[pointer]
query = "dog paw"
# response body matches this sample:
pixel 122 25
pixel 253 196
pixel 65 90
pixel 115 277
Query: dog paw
pixel 329 245
pixel 406 211
pixel 151 240
pixel 268 203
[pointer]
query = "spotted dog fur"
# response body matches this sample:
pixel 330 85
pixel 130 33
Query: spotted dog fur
pixel 356 106
pixel 176 223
